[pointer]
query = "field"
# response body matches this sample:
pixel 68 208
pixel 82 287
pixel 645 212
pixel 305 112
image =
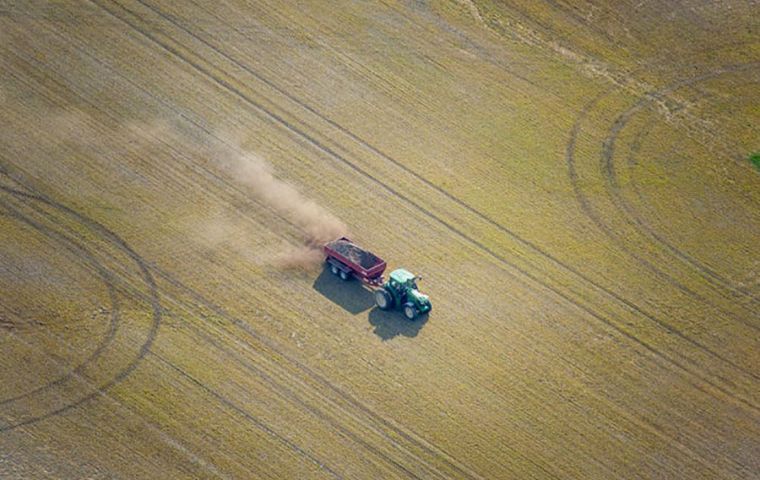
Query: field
pixel 574 181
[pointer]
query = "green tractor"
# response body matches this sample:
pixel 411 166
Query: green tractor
pixel 400 291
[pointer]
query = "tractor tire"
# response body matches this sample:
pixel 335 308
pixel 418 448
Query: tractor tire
pixel 383 299
pixel 410 311
pixel 344 275
pixel 334 269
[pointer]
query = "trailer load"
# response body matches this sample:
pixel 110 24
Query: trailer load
pixel 348 260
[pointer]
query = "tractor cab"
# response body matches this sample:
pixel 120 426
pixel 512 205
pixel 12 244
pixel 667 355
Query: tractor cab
pixel 401 279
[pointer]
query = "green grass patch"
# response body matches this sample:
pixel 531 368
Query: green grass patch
pixel 755 159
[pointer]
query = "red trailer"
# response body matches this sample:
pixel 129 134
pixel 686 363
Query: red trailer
pixel 346 259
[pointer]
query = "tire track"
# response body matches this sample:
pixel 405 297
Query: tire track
pixel 142 355
pixel 610 173
pixel 283 390
pixel 165 437
pixel 250 418
pixel 635 220
pixel 335 425
pixel 330 152
pixel 146 276
pixel 80 253
pixel 591 213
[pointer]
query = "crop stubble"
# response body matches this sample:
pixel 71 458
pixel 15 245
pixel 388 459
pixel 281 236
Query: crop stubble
pixel 316 393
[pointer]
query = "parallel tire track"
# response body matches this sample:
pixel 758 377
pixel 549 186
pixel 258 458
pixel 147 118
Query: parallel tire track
pixel 79 252
pixel 158 274
pixel 421 445
pixel 330 152
pixel 610 173
pixel 148 297
pixel 147 277
pixel 633 218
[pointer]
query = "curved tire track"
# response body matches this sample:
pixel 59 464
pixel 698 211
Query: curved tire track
pixel 635 220
pixel 283 390
pixel 322 147
pixel 610 172
pixel 78 251
pixel 147 277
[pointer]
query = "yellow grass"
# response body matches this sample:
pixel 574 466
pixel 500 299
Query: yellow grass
pixel 570 178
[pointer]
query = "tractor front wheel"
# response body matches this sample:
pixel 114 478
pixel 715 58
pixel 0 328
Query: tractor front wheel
pixel 410 311
pixel 383 299
pixel 334 269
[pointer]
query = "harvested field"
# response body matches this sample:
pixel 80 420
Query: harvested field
pixel 577 183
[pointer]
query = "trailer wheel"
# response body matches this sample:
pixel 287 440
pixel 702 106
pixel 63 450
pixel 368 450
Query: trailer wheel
pixel 334 269
pixel 410 311
pixel 383 299
pixel 343 275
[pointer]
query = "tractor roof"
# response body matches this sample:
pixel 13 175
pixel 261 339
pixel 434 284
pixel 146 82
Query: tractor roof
pixel 401 276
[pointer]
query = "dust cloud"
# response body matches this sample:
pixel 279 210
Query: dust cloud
pixel 247 169
pixel 307 257
pixel 317 223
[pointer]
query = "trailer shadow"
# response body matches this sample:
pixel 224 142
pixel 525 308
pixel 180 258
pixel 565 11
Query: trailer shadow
pixel 390 324
pixel 350 295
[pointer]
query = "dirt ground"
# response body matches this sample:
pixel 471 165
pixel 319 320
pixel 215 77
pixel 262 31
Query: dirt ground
pixel 571 179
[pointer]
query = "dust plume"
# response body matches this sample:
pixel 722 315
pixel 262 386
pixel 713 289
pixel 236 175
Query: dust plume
pixel 307 257
pixel 150 138
pixel 317 223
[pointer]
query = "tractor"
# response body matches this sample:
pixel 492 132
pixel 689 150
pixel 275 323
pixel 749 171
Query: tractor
pixel 348 260
pixel 400 291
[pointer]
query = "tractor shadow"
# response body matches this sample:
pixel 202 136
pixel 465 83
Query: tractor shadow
pixel 350 295
pixel 392 323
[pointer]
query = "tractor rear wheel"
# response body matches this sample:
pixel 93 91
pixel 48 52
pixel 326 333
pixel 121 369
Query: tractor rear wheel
pixel 344 275
pixel 383 299
pixel 410 311
pixel 334 269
